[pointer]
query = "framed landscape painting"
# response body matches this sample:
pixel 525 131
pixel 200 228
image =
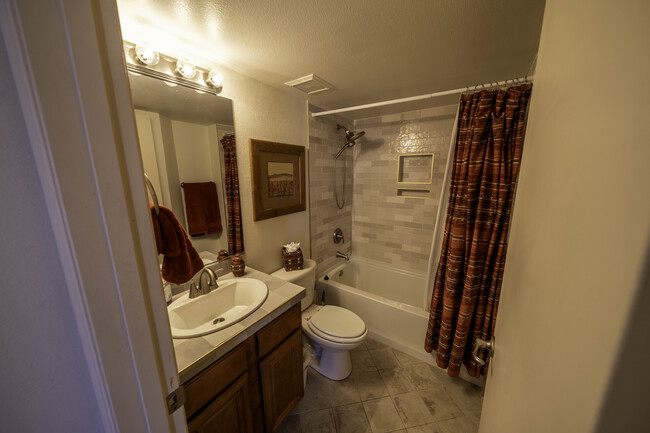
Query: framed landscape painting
pixel 278 178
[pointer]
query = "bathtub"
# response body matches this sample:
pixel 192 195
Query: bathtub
pixel 389 300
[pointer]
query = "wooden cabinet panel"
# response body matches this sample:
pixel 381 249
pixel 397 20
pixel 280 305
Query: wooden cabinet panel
pixel 254 386
pixel 239 393
pixel 275 332
pixel 281 374
pixel 213 380
pixel 228 413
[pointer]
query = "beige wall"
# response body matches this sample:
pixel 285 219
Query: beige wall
pixel 266 113
pixel 45 378
pixel 581 224
pixel 197 156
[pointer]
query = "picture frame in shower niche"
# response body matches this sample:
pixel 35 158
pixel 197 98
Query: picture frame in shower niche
pixel 278 179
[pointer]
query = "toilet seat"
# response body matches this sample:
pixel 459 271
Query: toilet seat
pixel 338 325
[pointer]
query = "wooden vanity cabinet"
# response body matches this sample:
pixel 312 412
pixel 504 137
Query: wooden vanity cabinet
pixel 281 386
pixel 230 412
pixel 254 387
pixel 217 399
pixel 280 350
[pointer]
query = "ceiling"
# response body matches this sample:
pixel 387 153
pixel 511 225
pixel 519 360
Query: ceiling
pixel 369 50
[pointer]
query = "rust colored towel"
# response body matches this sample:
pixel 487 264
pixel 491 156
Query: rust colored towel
pixel 181 260
pixel 202 208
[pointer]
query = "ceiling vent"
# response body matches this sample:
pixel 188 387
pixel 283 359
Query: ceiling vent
pixel 310 84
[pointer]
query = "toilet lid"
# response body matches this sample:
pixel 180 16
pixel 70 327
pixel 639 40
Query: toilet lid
pixel 337 322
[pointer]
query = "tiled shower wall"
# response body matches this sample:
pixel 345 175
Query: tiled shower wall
pixel 324 142
pixel 388 228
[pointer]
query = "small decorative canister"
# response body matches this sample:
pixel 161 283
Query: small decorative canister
pixel 292 260
pixel 237 265
pixel 222 255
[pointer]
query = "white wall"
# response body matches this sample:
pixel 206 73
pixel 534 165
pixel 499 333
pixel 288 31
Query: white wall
pixel 266 113
pixel 197 157
pixel 45 380
pixel 581 226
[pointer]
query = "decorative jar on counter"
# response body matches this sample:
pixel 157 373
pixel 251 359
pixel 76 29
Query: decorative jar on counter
pixel 237 265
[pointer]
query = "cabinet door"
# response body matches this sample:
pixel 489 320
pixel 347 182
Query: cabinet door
pixel 228 413
pixel 281 373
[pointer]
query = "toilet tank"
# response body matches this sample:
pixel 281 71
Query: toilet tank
pixel 305 277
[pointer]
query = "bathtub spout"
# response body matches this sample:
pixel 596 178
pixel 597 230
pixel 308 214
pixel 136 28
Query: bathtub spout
pixel 340 255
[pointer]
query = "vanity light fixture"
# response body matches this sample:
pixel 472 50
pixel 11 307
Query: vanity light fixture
pixel 143 60
pixel 146 55
pixel 185 68
pixel 215 80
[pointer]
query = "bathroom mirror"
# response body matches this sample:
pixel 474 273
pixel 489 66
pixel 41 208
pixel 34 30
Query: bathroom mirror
pixel 179 130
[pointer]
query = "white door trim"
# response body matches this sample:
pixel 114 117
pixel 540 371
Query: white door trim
pixel 67 65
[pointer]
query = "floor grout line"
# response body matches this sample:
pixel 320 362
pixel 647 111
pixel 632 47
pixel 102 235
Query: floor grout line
pixel 401 366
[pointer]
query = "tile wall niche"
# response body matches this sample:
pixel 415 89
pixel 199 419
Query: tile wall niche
pixel 388 228
pixel 324 142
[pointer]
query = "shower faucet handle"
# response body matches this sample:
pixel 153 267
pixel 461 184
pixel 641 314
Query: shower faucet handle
pixel 337 237
pixel 488 345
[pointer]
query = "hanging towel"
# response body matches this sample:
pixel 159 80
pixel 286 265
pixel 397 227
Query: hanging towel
pixel 202 208
pixel 181 261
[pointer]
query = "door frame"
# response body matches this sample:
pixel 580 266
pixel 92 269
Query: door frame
pixel 76 104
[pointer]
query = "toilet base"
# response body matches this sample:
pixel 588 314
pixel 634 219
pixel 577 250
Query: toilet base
pixel 333 364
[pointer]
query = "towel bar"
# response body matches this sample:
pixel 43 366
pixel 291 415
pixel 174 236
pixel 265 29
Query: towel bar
pixel 153 193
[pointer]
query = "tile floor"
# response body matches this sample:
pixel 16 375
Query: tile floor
pixel 388 391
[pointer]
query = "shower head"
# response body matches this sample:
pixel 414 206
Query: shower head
pixel 345 146
pixel 356 137
pixel 350 137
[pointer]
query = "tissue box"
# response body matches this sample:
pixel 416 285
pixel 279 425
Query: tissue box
pixel 292 261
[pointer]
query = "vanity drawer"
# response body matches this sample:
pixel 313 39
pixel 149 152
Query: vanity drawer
pixel 277 331
pixel 200 390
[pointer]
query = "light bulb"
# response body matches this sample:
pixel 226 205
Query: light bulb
pixel 146 55
pixel 215 79
pixel 185 69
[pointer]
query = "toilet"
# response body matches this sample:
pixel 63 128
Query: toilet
pixel 333 331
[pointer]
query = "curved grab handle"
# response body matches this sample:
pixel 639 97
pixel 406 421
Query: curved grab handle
pixel 152 190
pixel 489 345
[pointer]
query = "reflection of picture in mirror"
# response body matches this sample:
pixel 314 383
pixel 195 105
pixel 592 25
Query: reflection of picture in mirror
pixel 280 179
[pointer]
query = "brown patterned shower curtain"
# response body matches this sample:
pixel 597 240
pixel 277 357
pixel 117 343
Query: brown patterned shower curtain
pixel 468 280
pixel 235 233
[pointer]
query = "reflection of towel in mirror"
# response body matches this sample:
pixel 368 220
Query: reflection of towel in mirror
pixel 181 260
pixel 202 208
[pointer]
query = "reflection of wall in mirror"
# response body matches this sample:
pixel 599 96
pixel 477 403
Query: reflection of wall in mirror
pixel 176 152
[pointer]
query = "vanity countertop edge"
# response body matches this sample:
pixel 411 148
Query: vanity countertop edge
pixel 193 355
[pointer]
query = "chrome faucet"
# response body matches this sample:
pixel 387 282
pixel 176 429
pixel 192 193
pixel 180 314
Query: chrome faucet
pixel 195 292
pixel 340 255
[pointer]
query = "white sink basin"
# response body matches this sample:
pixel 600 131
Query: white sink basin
pixel 224 306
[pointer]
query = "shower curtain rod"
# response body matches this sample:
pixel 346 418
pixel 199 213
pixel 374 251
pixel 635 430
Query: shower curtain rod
pixel 525 79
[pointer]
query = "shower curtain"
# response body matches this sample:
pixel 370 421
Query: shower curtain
pixel 235 233
pixel 489 140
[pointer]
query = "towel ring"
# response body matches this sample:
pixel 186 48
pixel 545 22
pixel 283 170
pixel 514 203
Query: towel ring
pixel 153 193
